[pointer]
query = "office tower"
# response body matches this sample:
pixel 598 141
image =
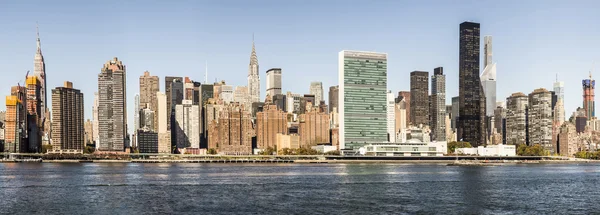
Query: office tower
pixel 471 119
pixel 206 92
pixel 559 112
pixel 14 135
pixel 305 100
pixel 488 78
pixel 588 97
pixel 148 141
pixel 34 112
pixel 516 119
pixel 438 105
pixel 316 89
pixel 232 133
pixel 240 95
pixel 391 117
pixel 500 122
pixel 400 115
pixel 146 117
pixel 419 94
pixel 149 86
pixel 405 95
pixel 273 81
pixel 253 77
pixel 362 102
pixel 196 94
pixel 168 92
pixel 112 103
pixel 293 102
pixel 270 122
pixel 88 132
pixel 39 71
pixel 455 111
pixel 136 113
pixel 67 119
pixel 280 101
pixel 95 119
pixel 188 89
pixel 540 119
pixel 164 136
pixel 313 128
pixel 334 92
pixel 226 93
pixel 187 120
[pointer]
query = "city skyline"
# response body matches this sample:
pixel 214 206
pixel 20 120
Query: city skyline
pixel 65 63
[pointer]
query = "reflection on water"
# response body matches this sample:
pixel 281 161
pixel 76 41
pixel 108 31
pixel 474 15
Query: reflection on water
pixel 304 189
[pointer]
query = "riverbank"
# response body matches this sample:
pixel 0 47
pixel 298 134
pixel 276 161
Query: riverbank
pixel 249 161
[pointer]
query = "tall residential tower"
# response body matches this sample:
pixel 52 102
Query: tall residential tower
pixel 112 112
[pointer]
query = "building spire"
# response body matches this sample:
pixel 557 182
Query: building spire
pixel 37 32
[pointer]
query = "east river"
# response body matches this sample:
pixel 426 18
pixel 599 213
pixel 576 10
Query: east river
pixel 128 188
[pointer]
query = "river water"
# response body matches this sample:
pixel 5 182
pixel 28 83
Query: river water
pixel 47 188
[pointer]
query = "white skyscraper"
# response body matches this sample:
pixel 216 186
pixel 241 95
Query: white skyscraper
pixel 187 130
pixel 273 81
pixel 391 116
pixel 488 78
pixel 253 77
pixel 136 114
pixel 316 89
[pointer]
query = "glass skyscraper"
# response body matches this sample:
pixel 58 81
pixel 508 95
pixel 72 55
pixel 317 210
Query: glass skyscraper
pixel 362 103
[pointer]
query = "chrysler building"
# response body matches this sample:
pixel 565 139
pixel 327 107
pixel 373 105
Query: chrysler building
pixel 253 78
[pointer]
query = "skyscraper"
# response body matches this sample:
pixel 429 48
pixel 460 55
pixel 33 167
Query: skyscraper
pixel 334 92
pixel 14 135
pixel 313 128
pixel 362 102
pixel 438 95
pixel 39 70
pixel 253 77
pixel 488 78
pixel 95 119
pixel 149 86
pixel 559 108
pixel 168 92
pixel 455 111
pixel 112 103
pixel 419 94
pixel 34 122
pixel 540 119
pixel 273 81
pixel 405 95
pixel 164 136
pixel 67 119
pixel 391 117
pixel 516 119
pixel 136 113
pixel 588 97
pixel 316 88
pixel 187 120
pixel 471 119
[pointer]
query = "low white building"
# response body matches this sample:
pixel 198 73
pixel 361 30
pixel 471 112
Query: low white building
pixel 490 150
pixel 412 147
pixel 325 148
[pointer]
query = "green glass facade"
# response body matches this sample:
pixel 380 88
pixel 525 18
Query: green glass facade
pixel 365 86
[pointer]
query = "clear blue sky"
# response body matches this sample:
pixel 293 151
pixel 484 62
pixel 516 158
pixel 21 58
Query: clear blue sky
pixel 533 40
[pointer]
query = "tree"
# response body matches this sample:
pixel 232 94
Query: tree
pixel 452 146
pixel 268 151
pixel 88 150
pixel 46 148
pixel 211 151
pixel 535 150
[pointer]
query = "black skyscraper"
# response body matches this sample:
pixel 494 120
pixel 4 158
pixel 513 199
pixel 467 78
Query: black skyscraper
pixel 419 94
pixel 471 120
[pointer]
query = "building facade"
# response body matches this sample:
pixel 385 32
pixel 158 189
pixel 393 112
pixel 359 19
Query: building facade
pixel 391 116
pixel 488 78
pixel 169 92
pixel 316 89
pixel 438 105
pixel 419 94
pixel 589 104
pixel 334 92
pixel 516 119
pixel 112 103
pixel 313 128
pixel 149 86
pixel 540 119
pixel 362 102
pixel 471 120
pixel 186 127
pixel 273 81
pixel 147 141
pixel 14 137
pixel 67 119
pixel 270 122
